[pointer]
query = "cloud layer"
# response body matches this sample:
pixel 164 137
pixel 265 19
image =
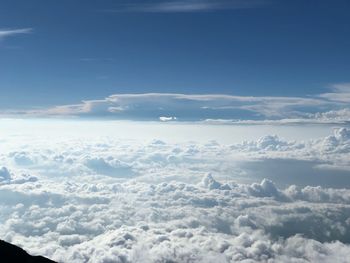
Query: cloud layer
pixel 106 199
pixel 331 107
pixel 177 222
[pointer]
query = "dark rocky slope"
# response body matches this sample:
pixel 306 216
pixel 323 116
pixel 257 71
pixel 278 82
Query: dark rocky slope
pixel 12 254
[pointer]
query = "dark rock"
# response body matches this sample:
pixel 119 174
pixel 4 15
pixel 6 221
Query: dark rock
pixel 12 254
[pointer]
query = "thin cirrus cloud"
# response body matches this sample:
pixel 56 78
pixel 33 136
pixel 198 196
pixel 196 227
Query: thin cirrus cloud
pixel 187 6
pixel 339 92
pixel 5 33
pixel 331 107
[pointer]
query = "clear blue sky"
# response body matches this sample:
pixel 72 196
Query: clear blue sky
pixel 83 49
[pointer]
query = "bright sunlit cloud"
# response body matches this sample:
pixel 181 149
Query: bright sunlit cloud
pixel 93 191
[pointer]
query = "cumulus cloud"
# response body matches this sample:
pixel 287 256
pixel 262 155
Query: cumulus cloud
pixel 107 199
pixel 7 177
pixel 109 166
pixel 333 116
pixel 138 222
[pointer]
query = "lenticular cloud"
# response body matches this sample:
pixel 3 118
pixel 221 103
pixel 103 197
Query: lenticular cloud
pixel 118 200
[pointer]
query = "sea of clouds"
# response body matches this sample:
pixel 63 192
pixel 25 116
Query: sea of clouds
pixel 107 199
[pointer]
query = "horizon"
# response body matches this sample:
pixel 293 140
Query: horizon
pixel 252 48
pixel 161 131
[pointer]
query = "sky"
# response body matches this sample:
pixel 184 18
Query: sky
pixel 57 53
pixel 176 131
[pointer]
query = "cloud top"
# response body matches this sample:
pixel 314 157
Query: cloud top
pixel 109 199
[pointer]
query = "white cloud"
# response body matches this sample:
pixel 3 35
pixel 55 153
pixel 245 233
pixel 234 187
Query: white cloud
pixel 164 118
pixel 197 107
pixel 115 109
pixel 326 108
pixel 340 93
pixel 4 33
pixel 7 177
pixel 177 221
pixel 108 199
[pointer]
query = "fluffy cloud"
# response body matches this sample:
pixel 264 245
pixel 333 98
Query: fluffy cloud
pixel 164 118
pixel 139 222
pixel 109 166
pixel 7 177
pixel 118 200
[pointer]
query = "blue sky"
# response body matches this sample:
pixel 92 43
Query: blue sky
pixel 62 52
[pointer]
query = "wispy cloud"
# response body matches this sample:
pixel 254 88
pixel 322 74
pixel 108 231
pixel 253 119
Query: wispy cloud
pixel 331 107
pixel 5 33
pixel 178 6
pixel 339 93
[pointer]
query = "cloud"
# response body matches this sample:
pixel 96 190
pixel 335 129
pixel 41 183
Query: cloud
pixel 116 109
pixel 113 199
pixel 111 167
pixel 5 33
pixel 118 153
pixel 325 108
pixel 175 6
pixel 149 106
pixel 7 177
pixel 179 222
pixel 164 118
pixel 340 93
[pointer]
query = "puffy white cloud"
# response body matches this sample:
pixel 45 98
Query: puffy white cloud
pixel 164 118
pixel 110 166
pixel 7 177
pixel 118 200
pixel 333 116
pixel 139 222
pixel 4 174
